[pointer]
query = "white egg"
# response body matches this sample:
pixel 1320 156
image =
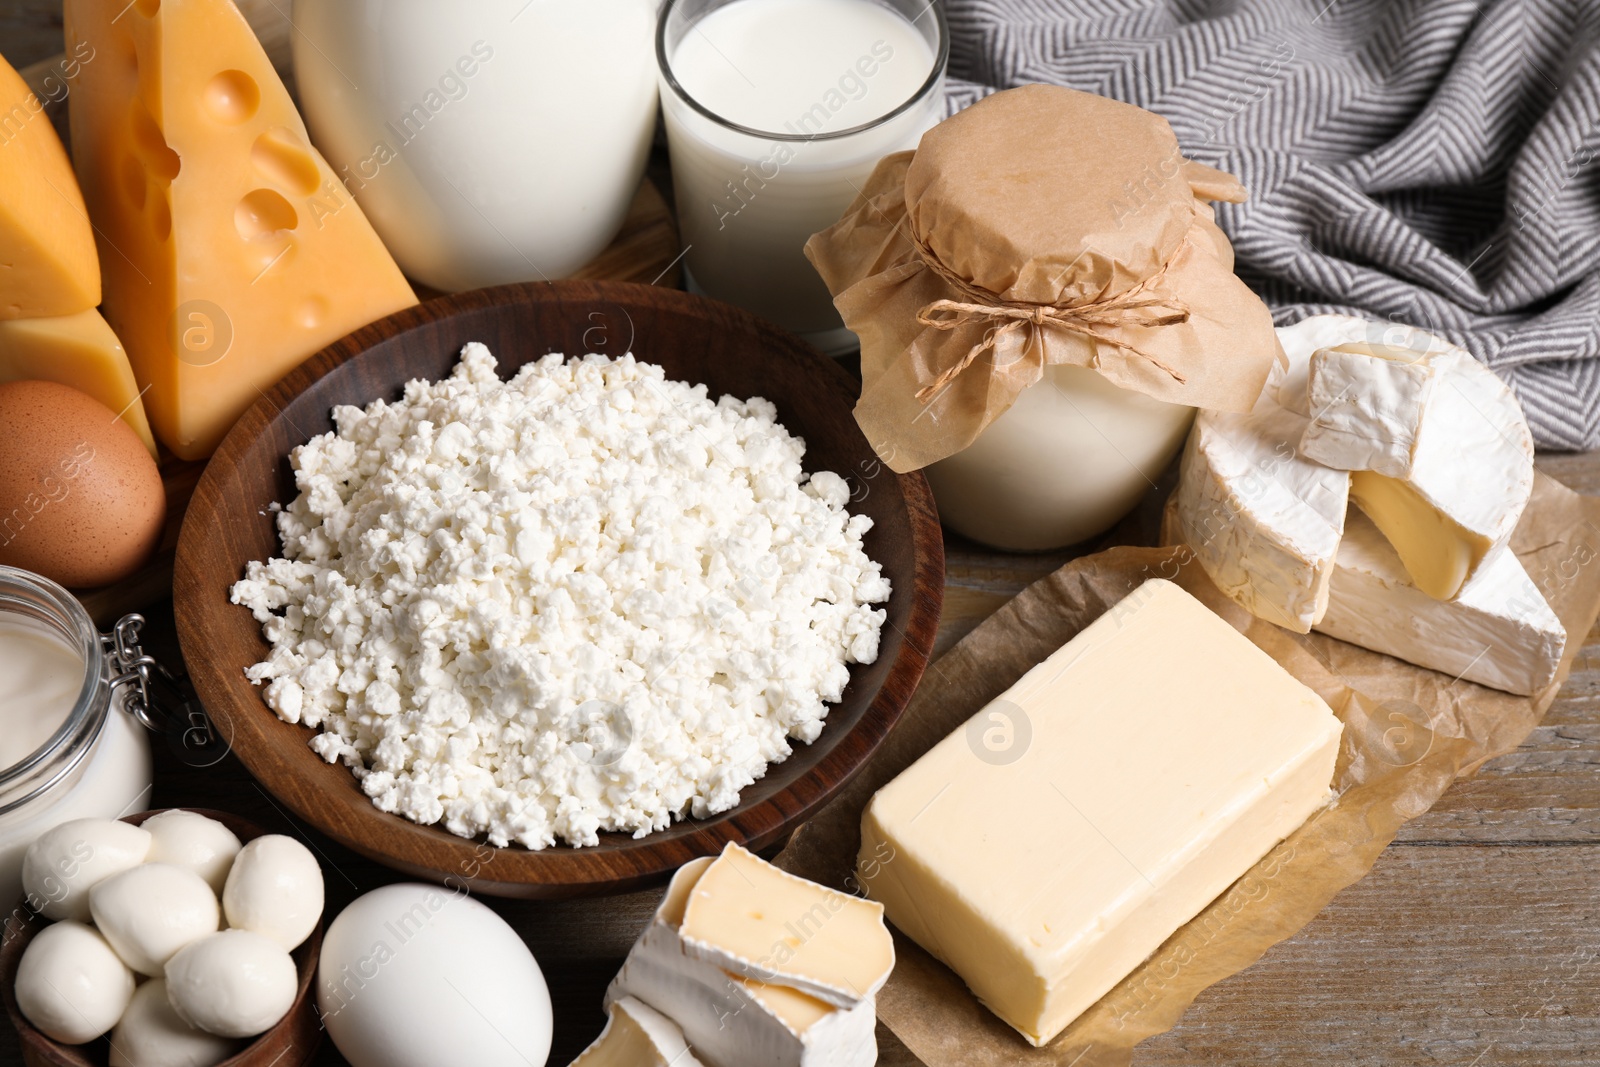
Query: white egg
pixel 151 1035
pixel 233 984
pixel 71 985
pixel 189 839
pixel 274 889
pixel 64 863
pixel 418 975
pixel 152 911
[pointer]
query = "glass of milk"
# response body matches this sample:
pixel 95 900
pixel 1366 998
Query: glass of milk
pixel 488 142
pixel 776 112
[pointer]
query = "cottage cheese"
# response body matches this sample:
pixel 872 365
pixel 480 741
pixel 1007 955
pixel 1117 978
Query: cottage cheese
pixel 585 599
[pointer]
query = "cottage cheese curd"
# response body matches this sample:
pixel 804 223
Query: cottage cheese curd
pixel 584 599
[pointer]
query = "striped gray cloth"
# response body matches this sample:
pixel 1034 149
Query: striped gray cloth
pixel 1431 162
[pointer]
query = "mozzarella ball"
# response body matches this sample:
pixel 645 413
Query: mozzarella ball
pixel 152 911
pixel 232 984
pixel 71 985
pixel 151 1035
pixel 188 839
pixel 64 863
pixel 275 889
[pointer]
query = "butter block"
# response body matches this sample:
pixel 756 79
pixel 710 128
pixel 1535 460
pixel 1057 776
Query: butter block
pixel 637 1036
pixel 80 351
pixel 1165 754
pixel 748 917
pixel 731 1020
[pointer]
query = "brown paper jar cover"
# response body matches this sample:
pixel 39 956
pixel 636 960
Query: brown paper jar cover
pixel 1041 225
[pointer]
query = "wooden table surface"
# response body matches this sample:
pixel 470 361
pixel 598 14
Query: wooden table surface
pixel 1475 941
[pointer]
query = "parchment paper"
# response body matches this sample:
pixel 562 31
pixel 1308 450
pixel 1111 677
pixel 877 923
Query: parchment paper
pixel 1409 733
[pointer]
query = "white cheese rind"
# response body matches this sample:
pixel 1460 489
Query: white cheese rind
pixel 1043 877
pixel 1499 632
pixel 1366 410
pixel 1444 427
pixel 732 1021
pixel 1263 522
pixel 637 1036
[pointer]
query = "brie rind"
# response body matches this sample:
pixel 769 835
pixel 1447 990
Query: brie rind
pixel 732 1021
pixel 1499 632
pixel 1366 408
pixel 1442 454
pixel 752 919
pixel 637 1036
pixel 1263 522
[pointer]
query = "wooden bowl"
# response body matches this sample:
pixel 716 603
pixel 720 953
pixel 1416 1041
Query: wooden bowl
pixel 292 1043
pixel 695 340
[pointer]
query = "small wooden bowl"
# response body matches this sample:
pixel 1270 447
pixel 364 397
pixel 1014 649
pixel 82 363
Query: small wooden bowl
pixel 292 1043
pixel 695 340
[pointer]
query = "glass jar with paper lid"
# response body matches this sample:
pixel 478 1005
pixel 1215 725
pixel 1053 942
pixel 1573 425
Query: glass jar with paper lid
pixel 1043 300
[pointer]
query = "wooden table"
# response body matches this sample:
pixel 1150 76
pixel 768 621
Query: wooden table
pixel 1475 941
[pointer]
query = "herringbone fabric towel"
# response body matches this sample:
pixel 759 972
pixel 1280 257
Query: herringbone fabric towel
pixel 1433 162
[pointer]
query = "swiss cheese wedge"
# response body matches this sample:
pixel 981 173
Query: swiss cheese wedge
pixel 231 251
pixel 47 257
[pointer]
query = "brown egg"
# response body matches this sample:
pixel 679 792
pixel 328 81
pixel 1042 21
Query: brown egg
pixel 81 500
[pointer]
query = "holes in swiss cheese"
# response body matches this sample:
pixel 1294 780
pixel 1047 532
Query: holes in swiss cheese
pixel 160 162
pixel 282 159
pixel 231 97
pixel 263 211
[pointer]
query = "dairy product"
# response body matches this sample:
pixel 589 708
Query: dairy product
pixel 1498 631
pixel 793 73
pixel 1443 458
pixel 232 984
pixel 637 1036
pixel 491 142
pixel 80 351
pixel 275 889
pixel 47 253
pixel 731 1019
pixel 1094 861
pixel 40 678
pixel 65 862
pixel 71 985
pixel 191 840
pixel 585 599
pixel 150 912
pixel 150 1034
pixel 1072 456
pixel 231 250
pixel 1263 522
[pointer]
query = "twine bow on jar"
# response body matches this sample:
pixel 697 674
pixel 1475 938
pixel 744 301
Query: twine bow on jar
pixel 1094 319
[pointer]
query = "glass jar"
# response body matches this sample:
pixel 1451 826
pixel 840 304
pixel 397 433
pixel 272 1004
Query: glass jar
pixel 96 763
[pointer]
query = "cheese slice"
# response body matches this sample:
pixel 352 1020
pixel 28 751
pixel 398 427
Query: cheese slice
pixel 637 1036
pixel 1262 521
pixel 1442 454
pixel 1167 754
pixel 1499 632
pixel 80 351
pixel 732 1020
pixel 231 251
pixel 47 255
pixel 748 917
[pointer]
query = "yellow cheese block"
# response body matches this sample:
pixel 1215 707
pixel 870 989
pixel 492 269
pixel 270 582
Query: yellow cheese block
pixel 76 350
pixel 231 252
pixel 47 256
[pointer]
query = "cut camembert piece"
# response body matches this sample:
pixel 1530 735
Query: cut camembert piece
pixel 1168 754
pixel 732 1020
pixel 1441 454
pixel 748 917
pixel 637 1036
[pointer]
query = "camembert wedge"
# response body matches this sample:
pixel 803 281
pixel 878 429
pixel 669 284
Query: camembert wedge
pixel 1167 755
pixel 637 1036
